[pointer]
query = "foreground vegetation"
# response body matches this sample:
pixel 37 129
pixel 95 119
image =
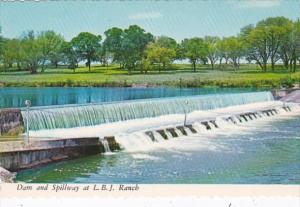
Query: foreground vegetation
pixel 177 75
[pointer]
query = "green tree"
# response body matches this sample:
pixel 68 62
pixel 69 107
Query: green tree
pixel 86 45
pixel 244 38
pixel 12 53
pixel 235 50
pixel 222 50
pixel 69 55
pixel 31 50
pixel 257 46
pixel 50 44
pixel 194 50
pixel 275 29
pixel 264 40
pixel 166 42
pixel 212 51
pixel 56 57
pixel 297 33
pixel 113 44
pixel 170 43
pixel 157 54
pixel 134 42
pixel 296 40
pixel 289 49
pixel 2 44
pixel 103 55
pixel 146 65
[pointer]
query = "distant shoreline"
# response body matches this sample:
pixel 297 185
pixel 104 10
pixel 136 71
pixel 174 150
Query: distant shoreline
pixel 260 84
pixel 176 76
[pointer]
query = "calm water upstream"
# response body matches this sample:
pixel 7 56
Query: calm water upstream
pixel 15 97
pixel 261 152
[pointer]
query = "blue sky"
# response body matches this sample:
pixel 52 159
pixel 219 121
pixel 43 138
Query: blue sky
pixel 178 19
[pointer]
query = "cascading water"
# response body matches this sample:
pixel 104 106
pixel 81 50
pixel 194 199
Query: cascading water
pixel 228 124
pixel 105 145
pixel 70 116
pixel 158 137
pixel 168 134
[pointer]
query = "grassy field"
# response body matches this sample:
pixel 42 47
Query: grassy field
pixel 177 75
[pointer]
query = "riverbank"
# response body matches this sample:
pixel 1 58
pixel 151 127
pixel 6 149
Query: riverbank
pixel 178 76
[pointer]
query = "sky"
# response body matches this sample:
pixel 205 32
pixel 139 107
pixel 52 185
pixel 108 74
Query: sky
pixel 177 19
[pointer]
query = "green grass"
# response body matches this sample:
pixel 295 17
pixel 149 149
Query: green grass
pixel 176 75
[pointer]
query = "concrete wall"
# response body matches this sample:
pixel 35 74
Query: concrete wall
pixel 19 155
pixel 11 122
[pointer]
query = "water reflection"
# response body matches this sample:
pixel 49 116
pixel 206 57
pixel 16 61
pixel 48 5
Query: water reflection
pixel 15 97
pixel 265 156
pixel 70 171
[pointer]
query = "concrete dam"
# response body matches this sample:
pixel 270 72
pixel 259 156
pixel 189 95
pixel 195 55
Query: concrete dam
pixel 69 131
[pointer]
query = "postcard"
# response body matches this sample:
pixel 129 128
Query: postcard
pixel 150 103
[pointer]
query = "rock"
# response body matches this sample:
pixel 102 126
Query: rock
pixel 191 128
pixel 232 120
pixel 296 86
pixel 59 157
pixel 162 133
pixel 292 97
pixel 205 123
pixel 113 145
pixel 172 131
pixel 244 117
pixel 151 135
pixel 6 176
pixel 182 130
pixel 11 122
pixel 214 123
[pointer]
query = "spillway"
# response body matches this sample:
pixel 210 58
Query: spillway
pixel 70 116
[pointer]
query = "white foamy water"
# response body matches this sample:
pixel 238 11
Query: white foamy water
pixel 132 138
pixel 105 145
pixel 130 126
pixel 145 157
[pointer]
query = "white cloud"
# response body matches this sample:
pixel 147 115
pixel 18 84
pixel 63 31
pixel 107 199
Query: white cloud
pixel 145 15
pixel 248 4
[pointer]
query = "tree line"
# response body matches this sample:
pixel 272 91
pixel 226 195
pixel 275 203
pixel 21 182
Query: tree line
pixel 275 40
